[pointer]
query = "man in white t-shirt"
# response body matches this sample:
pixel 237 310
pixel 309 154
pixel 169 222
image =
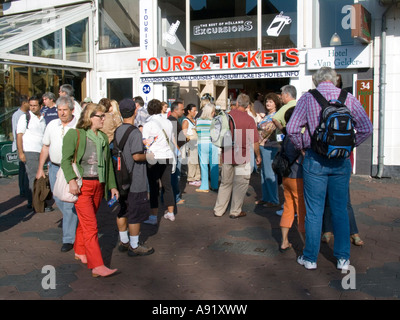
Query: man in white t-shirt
pixel 52 148
pixel 22 176
pixel 30 132
pixel 68 90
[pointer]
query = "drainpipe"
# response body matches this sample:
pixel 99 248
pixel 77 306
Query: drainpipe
pixel 382 94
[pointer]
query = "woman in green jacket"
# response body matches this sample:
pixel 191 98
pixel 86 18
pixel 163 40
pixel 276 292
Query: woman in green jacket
pixel 95 166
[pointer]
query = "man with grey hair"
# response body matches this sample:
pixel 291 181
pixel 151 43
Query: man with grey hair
pixel 49 111
pixel 324 176
pixel 68 90
pixel 236 161
pixel 288 95
pixel 52 148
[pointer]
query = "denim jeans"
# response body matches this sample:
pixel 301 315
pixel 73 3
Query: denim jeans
pixel 208 155
pixel 324 176
pixel 70 218
pixel 175 180
pixel 269 180
pixel 327 221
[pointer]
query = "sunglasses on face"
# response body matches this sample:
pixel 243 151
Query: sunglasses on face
pixel 100 116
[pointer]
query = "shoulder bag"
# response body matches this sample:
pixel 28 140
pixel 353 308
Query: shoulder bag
pixel 61 187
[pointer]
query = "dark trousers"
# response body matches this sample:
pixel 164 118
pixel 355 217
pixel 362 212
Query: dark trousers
pixel 156 173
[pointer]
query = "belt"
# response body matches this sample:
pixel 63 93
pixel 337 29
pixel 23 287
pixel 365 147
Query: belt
pixel 90 178
pixel 55 164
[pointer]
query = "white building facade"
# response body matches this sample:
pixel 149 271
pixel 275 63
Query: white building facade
pixel 167 49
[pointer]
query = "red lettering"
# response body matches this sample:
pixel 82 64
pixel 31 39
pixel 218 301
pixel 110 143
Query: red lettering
pixel 235 58
pixel 279 55
pixel 157 64
pixel 141 61
pixel 177 61
pixel 189 62
pixel 252 58
pixel 265 58
pixel 221 59
pixel 162 64
pixel 292 54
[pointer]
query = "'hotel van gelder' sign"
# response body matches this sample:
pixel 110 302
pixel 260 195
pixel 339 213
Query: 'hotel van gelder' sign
pixel 225 61
pixel 353 57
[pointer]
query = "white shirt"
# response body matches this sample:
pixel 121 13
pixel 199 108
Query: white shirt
pixel 77 110
pixel 15 117
pixel 154 138
pixel 33 135
pixel 53 137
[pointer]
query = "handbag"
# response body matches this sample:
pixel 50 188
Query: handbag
pixel 61 186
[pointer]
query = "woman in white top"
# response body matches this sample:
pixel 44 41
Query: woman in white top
pixel 158 141
pixel 189 130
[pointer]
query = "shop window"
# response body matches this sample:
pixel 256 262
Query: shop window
pixel 172 25
pixel 119 24
pixel 334 27
pixel 279 24
pixel 16 81
pixel 119 89
pixel 49 46
pixel 22 50
pixel 223 26
pixel 77 42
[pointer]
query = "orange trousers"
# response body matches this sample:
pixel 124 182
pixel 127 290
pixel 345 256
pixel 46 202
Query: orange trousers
pixel 86 239
pixel 294 203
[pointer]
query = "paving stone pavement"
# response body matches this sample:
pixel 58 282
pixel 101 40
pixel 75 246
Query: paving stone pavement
pixel 202 257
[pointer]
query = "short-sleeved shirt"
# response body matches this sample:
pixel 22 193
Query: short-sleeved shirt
pixel 15 117
pixel 280 114
pixel 245 135
pixel 49 114
pixel 53 137
pixel 33 134
pixel 134 145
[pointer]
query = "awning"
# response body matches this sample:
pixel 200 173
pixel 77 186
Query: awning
pixel 22 34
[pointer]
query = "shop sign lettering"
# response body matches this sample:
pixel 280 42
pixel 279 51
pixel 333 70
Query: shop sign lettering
pixel 221 61
pixel 225 76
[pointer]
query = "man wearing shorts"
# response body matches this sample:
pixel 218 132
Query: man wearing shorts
pixel 138 208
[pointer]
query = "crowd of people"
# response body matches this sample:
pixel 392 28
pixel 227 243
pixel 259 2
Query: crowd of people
pixel 162 141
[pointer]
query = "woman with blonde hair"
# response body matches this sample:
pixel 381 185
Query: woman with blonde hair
pixel 113 117
pixel 208 153
pixel 94 163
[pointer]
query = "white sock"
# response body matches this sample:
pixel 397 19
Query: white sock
pixel 134 241
pixel 123 235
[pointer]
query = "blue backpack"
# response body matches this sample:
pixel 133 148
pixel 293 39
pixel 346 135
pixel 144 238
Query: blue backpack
pixel 334 137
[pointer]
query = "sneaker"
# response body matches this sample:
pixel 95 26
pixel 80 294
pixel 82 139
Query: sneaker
pixel 48 209
pixel 122 247
pixel 151 220
pixel 343 264
pixel 279 212
pixel 169 216
pixel 307 264
pixel 141 250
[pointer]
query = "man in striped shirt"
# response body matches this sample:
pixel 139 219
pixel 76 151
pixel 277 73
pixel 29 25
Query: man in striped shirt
pixel 323 175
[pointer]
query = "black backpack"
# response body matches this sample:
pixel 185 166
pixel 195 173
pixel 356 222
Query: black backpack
pixel 123 175
pixel 334 137
pixel 281 164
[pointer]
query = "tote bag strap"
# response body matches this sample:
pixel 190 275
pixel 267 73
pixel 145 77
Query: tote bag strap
pixel 77 145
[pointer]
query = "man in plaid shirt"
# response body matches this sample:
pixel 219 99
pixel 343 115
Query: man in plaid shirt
pixel 323 175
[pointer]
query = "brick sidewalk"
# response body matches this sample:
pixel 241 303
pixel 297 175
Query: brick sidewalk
pixel 201 257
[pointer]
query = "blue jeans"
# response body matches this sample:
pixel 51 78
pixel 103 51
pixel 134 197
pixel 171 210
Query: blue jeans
pixel 70 219
pixel 208 155
pixel 322 177
pixel 175 178
pixel 327 221
pixel 269 180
